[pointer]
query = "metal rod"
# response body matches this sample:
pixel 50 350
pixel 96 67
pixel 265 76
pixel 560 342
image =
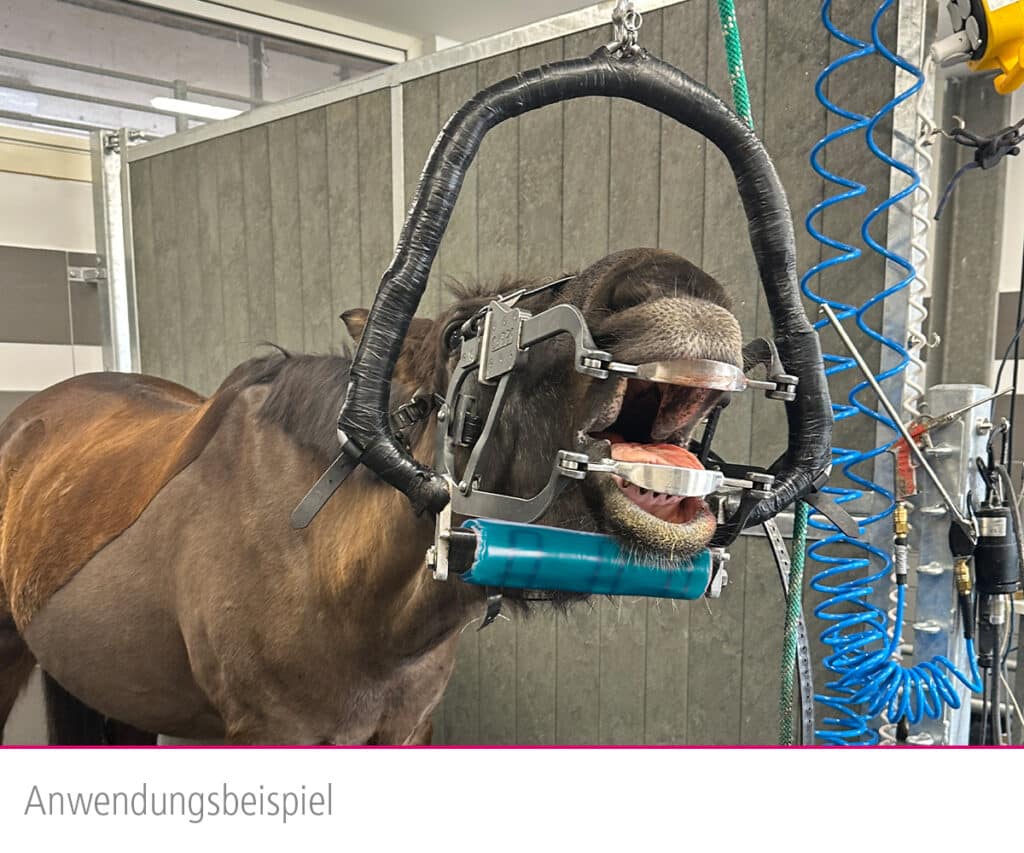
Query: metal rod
pixel 890 410
pixel 122 75
pixel 91 99
pixel 85 127
pixel 256 58
pixel 181 94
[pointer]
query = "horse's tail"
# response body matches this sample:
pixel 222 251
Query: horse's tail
pixel 70 722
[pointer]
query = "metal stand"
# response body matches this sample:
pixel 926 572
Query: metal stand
pixel 115 276
pixel 936 627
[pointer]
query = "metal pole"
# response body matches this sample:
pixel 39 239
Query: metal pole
pixel 890 410
pixel 181 93
pixel 112 216
pixel 256 59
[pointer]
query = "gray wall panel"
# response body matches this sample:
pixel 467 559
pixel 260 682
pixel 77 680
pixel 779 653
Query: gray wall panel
pixel 282 146
pixel 314 235
pixel 147 292
pixel 216 347
pixel 457 262
pixel 681 229
pixel 377 244
pixel 540 254
pixel 259 234
pixel 497 231
pixel 166 274
pixel 343 215
pixel 585 213
pixel 295 226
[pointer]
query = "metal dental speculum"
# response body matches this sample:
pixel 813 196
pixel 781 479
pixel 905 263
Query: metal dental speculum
pixel 496 340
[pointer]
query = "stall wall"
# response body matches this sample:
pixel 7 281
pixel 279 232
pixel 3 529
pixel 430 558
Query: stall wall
pixel 269 233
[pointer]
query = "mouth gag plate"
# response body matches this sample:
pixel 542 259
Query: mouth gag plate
pixel 667 479
pixel 701 373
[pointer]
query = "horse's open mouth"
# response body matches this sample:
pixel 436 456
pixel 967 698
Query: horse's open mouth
pixel 649 422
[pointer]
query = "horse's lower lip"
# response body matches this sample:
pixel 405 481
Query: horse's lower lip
pixel 617 514
pixel 668 508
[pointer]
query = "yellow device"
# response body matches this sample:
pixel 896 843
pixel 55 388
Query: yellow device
pixel 989 36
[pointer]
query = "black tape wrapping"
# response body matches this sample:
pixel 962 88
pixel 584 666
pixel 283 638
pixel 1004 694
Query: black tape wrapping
pixel 655 84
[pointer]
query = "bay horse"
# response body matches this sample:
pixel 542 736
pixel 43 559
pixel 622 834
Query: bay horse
pixel 148 565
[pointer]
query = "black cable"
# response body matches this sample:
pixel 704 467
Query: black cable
pixel 1009 348
pixel 985 694
pixel 997 712
pixel 1016 363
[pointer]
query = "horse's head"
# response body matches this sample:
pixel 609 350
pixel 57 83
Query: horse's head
pixel 641 306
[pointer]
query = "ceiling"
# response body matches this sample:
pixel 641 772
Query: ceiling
pixel 461 20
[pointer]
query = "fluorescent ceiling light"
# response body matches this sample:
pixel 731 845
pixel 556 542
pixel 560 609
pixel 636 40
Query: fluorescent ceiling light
pixel 194 108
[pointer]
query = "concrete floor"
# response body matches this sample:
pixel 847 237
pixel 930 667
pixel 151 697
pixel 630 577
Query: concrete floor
pixel 27 723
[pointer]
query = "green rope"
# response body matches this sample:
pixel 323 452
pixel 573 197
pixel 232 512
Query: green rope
pixel 794 601
pixel 794 605
pixel 734 55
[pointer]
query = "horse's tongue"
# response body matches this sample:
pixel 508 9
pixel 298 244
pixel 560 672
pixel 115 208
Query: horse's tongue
pixel 659 454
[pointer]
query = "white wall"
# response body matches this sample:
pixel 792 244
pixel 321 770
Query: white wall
pixel 45 213
pixel 40 212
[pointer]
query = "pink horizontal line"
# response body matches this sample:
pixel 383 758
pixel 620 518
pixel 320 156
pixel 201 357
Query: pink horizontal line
pixel 502 746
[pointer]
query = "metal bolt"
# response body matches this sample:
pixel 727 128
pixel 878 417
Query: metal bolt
pixel 464 487
pixel 718 583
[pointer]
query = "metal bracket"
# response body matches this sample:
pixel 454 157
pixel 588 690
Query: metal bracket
pixel 803 647
pixel 666 479
pixel 437 554
pixel 87 275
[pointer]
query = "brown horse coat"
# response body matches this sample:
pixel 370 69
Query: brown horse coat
pixel 127 437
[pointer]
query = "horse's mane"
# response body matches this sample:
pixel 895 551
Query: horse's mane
pixel 306 390
pixel 304 397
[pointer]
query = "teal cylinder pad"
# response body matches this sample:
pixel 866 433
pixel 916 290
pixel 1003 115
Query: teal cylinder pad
pixel 530 556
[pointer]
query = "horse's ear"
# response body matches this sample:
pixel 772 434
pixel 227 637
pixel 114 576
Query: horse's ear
pixel 355 321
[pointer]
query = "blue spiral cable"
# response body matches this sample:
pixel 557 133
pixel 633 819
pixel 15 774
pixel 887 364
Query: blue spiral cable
pixel 868 678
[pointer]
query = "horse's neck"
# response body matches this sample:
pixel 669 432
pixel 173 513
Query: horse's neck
pixel 374 543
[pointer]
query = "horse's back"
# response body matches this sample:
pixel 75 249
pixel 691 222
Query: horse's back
pixel 79 462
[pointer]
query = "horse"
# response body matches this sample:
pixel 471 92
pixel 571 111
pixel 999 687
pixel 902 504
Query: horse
pixel 148 566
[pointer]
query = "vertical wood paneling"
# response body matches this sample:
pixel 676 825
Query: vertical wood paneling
pixel 189 287
pixel 716 639
pixel 680 229
pixel 284 217
pixel 376 241
pixel 584 240
pixel 273 232
pixel 317 313
pixel 215 358
pixel 146 293
pixel 259 235
pixel 497 241
pixel 498 182
pixel 789 88
pixel 540 254
pixel 634 179
pixel 166 279
pixel 420 126
pixel 343 214
pixel 457 262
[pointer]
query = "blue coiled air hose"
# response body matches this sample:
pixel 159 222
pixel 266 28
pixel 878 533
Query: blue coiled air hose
pixel 868 678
